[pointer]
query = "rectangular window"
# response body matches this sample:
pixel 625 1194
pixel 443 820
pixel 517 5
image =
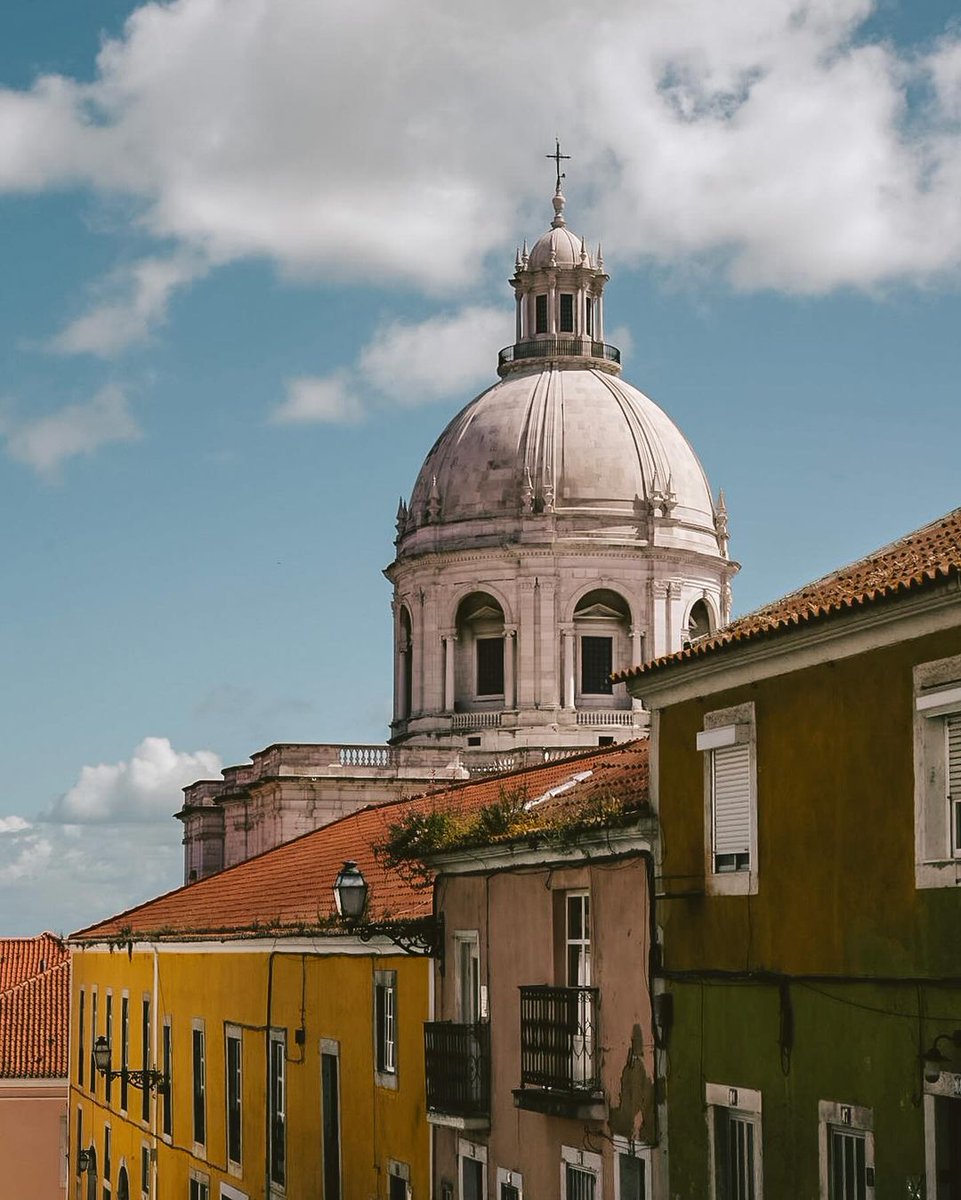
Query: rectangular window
pixel 385 1012
pixel 567 313
pixel 490 666
pixel 471 1170
pixel 107 1165
pixel 278 1107
pixel 937 772
pixel 330 1118
pixel 93 1040
pixel 80 1146
pixel 580 1174
pixel 597 666
pixel 578 939
pixel 234 1094
pixel 199 1186
pixel 199 1085
pixel 734 1116
pixel 398 1177
pixel 145 1171
pixel 124 1049
pixel 730 798
pixel 167 1051
pixel 145 1056
pixel 468 977
pixel 631 1170
pixel 540 314
pixel 510 1185
pixel 846 1147
pixel 108 1031
pixel 579 1184
pixel 81 1046
pixel 589 316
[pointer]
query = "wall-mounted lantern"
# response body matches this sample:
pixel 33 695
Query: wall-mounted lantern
pixel 148 1080
pixel 415 935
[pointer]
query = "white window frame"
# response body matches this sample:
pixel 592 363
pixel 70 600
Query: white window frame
pixel 947 1086
pixel 233 1033
pixel 937 697
pixel 744 1104
pixel 277 1106
pixel 197 1026
pixel 146 1177
pixel 511 1179
pixel 833 1114
pixel 624 1147
pixel 475 1152
pixel 584 1160
pixel 386 1077
pixel 723 728
pixel 399 1170
pixel 201 1179
pixel 467 944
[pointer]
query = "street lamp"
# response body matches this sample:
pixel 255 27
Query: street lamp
pixel 415 935
pixel 148 1080
pixel 934 1057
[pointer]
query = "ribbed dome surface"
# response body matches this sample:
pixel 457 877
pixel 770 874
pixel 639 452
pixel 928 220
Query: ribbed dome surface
pixel 582 442
pixel 563 245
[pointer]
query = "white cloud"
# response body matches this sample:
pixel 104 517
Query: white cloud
pixel 13 824
pixel 128 306
pixel 46 442
pixel 145 787
pixel 773 139
pixel 405 363
pixel 329 399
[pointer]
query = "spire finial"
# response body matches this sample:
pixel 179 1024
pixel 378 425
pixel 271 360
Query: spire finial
pixel 558 200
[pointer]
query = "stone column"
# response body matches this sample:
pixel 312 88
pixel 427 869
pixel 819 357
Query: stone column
pixel 659 613
pixel 518 330
pixel 568 639
pixel 450 641
pixel 525 647
pixel 637 646
pixel 552 321
pixel 510 698
pixel 548 694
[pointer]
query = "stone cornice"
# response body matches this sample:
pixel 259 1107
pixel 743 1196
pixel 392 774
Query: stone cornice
pixel 585 549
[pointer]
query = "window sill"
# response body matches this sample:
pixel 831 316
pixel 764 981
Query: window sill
pixel 386 1079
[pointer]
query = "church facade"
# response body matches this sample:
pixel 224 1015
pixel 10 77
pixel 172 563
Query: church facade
pixel 560 530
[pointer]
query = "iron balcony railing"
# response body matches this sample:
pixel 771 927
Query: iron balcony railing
pixel 458 1063
pixel 559 1039
pixel 558 347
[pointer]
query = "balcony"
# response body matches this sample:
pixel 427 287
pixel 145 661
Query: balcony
pixel 556 347
pixel 458 1064
pixel 560 1072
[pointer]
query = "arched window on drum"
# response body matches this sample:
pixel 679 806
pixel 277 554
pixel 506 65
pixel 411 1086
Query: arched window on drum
pixel 480 652
pixel 602 623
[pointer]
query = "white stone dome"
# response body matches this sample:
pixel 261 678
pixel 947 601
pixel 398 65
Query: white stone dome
pixel 560 247
pixel 574 443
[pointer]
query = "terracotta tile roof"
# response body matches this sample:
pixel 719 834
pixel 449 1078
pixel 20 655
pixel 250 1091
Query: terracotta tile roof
pixel 290 889
pixel 929 555
pixel 22 957
pixel 34 1007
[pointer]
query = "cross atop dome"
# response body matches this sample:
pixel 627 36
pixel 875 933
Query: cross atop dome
pixel 558 194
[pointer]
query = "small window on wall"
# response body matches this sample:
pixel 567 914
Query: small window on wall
pixel 540 314
pixel 490 666
pixel 597 666
pixel 199 1084
pixel 199 1186
pixel 580 1174
pixel 471 1170
pixel 937 772
pixel 567 313
pixel 385 1027
pixel 278 1107
pixel 730 800
pixel 510 1185
pixel 631 1170
pixel 398 1177
pixel 699 621
pixel 846 1145
pixel 734 1116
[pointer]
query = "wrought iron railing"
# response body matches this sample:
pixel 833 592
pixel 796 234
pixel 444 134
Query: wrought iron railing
pixel 457 1059
pixel 559 1039
pixel 558 347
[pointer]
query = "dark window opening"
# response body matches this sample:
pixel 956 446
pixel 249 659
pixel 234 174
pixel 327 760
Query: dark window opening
pixel 540 314
pixel 145 1059
pixel 567 313
pixel 398 1188
pixel 199 1088
pixel 605 740
pixel 490 666
pixel 167 1101
pixel 330 1124
pixel 597 664
pixel 589 316
pixel 473 741
pixel 278 1109
pixel 385 996
pixel 233 1098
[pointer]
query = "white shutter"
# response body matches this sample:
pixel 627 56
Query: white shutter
pixel 731 780
pixel 952 728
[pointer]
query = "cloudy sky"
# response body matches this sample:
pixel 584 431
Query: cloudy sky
pixel 255 256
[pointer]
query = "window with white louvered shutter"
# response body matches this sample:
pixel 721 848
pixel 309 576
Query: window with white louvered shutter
pixel 731 807
pixel 952 726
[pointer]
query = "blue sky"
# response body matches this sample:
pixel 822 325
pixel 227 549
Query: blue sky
pixel 234 236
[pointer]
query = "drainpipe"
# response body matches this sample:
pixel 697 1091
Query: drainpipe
pixel 155 1006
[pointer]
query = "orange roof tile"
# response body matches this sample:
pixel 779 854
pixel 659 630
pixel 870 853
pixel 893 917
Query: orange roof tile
pixel 929 555
pixel 34 1007
pixel 290 889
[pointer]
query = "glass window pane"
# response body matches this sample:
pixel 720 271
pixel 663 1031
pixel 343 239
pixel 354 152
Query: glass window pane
pixel 597 664
pixel 490 666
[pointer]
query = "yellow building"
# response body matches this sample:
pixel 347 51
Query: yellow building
pixel 293 1048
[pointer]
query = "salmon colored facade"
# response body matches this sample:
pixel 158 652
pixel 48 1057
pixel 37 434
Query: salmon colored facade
pixel 307 1007
pixel 814 966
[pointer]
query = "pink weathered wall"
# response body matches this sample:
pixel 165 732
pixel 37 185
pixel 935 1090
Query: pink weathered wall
pixel 33 1138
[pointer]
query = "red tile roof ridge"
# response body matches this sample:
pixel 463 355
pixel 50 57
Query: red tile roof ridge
pixel 113 927
pixel 34 1022
pixel 804 604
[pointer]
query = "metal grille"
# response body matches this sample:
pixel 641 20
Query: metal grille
pixel 579 1184
pixel 734 1140
pixel 952 727
pixel 846 1169
pixel 457 1060
pixel 558 1038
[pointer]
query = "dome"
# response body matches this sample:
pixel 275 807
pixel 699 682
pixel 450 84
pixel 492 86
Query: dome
pixel 576 443
pixel 560 247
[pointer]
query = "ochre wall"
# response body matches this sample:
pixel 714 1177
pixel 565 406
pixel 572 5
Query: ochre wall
pixel 334 992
